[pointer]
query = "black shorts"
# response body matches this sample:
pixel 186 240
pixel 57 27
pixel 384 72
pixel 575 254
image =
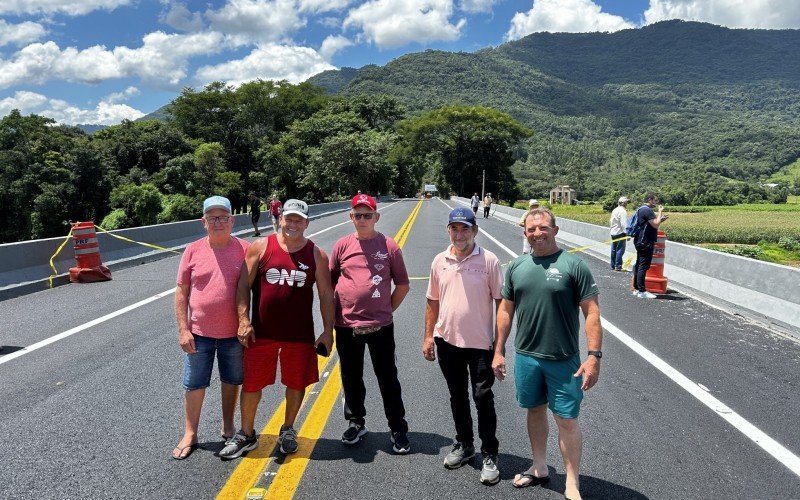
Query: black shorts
pixel 254 216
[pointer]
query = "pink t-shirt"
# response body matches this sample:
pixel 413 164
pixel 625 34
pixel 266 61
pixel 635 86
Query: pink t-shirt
pixel 466 292
pixel 362 272
pixel 213 274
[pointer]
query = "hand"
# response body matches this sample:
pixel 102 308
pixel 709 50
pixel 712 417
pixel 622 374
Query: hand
pixel 186 340
pixel 664 217
pixel 246 334
pixel 590 369
pixel 661 208
pixel 428 351
pixel 327 339
pixel 499 366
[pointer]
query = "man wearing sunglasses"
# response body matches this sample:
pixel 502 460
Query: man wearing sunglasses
pixel 207 280
pixel 363 266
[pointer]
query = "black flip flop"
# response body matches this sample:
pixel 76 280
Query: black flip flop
pixel 181 456
pixel 534 481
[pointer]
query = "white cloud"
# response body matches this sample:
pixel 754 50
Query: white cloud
pixel 322 5
pixel 69 7
pixel 20 34
pixel 394 23
pixel 247 21
pixel 161 60
pixel 333 44
pixel 181 18
pixel 268 62
pixel 768 14
pixel 105 113
pixel 575 16
pixel 477 6
pixel 122 96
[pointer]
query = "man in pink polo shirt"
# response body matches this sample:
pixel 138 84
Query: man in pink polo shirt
pixel 464 291
pixel 363 265
pixel 205 308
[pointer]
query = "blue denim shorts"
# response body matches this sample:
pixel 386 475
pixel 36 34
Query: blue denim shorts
pixel 541 381
pixel 197 367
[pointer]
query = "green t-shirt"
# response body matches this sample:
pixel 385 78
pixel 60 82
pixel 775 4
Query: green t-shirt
pixel 546 292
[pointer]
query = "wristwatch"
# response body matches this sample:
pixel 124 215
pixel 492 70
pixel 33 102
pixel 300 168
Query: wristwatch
pixel 596 354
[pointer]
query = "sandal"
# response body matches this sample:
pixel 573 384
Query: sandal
pixel 531 479
pixel 182 453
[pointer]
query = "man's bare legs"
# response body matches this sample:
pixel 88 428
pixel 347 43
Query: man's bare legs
pixel 230 393
pixel 570 441
pixel 193 402
pixel 249 405
pixel 294 399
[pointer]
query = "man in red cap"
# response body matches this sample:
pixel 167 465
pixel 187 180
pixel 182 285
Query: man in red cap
pixel 363 265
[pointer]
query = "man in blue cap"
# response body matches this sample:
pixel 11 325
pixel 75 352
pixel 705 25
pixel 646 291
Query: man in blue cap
pixel 464 291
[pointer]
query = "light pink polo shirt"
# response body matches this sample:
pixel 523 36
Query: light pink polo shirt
pixel 213 274
pixel 466 292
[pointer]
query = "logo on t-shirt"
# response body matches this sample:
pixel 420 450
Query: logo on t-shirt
pixel 376 280
pixel 376 294
pixel 553 274
pixel 285 277
pixel 378 266
pixel 380 255
pixel 302 266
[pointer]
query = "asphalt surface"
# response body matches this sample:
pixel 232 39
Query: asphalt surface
pixel 96 414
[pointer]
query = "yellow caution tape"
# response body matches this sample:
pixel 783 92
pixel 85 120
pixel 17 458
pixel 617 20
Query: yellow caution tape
pixel 52 266
pixel 149 245
pixel 584 248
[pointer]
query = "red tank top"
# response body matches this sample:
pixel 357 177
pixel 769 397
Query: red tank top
pixel 283 294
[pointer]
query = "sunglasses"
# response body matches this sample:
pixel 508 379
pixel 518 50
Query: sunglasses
pixel 367 216
pixel 222 219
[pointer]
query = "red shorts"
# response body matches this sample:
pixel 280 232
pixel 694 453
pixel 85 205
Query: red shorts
pixel 298 364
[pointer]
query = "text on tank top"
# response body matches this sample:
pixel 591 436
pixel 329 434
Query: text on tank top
pixel 283 293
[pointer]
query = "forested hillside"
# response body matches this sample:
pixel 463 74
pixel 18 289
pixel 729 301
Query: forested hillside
pixel 701 113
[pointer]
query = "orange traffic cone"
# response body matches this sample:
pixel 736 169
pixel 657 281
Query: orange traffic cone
pixel 654 280
pixel 89 268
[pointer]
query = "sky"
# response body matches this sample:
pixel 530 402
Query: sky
pixel 102 61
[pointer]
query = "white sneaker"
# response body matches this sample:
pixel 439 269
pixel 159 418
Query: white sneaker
pixel 646 295
pixel 635 293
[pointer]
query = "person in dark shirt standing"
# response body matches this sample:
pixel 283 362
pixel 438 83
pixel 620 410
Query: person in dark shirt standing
pixel 645 242
pixel 255 212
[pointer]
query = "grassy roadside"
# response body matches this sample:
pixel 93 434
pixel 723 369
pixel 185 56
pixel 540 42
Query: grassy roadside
pixel 765 232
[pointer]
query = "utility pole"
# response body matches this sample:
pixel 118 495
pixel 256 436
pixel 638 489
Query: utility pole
pixel 483 186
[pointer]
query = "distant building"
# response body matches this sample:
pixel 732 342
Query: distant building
pixel 430 190
pixel 563 194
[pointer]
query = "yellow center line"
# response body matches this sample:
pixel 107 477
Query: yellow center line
pixel 286 481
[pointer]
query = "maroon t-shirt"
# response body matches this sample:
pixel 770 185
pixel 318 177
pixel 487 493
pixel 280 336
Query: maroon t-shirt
pixel 283 293
pixel 362 272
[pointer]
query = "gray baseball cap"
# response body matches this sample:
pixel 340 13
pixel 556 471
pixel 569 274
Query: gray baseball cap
pixel 298 207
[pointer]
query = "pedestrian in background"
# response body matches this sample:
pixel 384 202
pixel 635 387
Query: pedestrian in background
pixel 255 212
pixel 546 290
pixel 645 242
pixel 363 266
pixel 275 212
pixel 463 294
pixel 475 203
pixel 617 225
pixel 526 247
pixel 487 204
pixel 205 309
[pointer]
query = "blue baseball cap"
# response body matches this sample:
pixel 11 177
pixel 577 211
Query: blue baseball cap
pixel 217 202
pixel 463 216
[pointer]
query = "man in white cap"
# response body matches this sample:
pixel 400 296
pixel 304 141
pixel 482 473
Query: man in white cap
pixel 618 223
pixel 207 278
pixel 281 271
pixel 487 204
pixel 526 247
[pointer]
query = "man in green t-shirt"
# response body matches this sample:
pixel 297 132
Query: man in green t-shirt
pixel 546 289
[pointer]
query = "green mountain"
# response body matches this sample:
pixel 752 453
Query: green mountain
pixel 700 112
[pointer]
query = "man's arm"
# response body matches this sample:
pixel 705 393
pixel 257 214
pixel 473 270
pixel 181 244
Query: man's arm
pixel 327 307
pixel 431 316
pixel 659 218
pixel 247 276
pixel 398 294
pixel 590 369
pixel 185 337
pixel 505 313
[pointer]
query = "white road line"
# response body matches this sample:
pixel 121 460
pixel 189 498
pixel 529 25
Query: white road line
pixel 72 331
pixel 774 448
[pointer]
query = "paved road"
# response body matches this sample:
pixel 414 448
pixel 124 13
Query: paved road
pixel 96 414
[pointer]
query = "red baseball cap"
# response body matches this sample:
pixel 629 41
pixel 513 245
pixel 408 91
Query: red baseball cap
pixel 364 199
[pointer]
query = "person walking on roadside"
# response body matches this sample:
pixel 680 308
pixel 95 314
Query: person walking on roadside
pixel 275 212
pixel 645 242
pixel 205 309
pixel 363 266
pixel 281 269
pixel 475 203
pixel 546 290
pixel 617 225
pixel 526 247
pixel 463 294
pixel 255 212
pixel 487 204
